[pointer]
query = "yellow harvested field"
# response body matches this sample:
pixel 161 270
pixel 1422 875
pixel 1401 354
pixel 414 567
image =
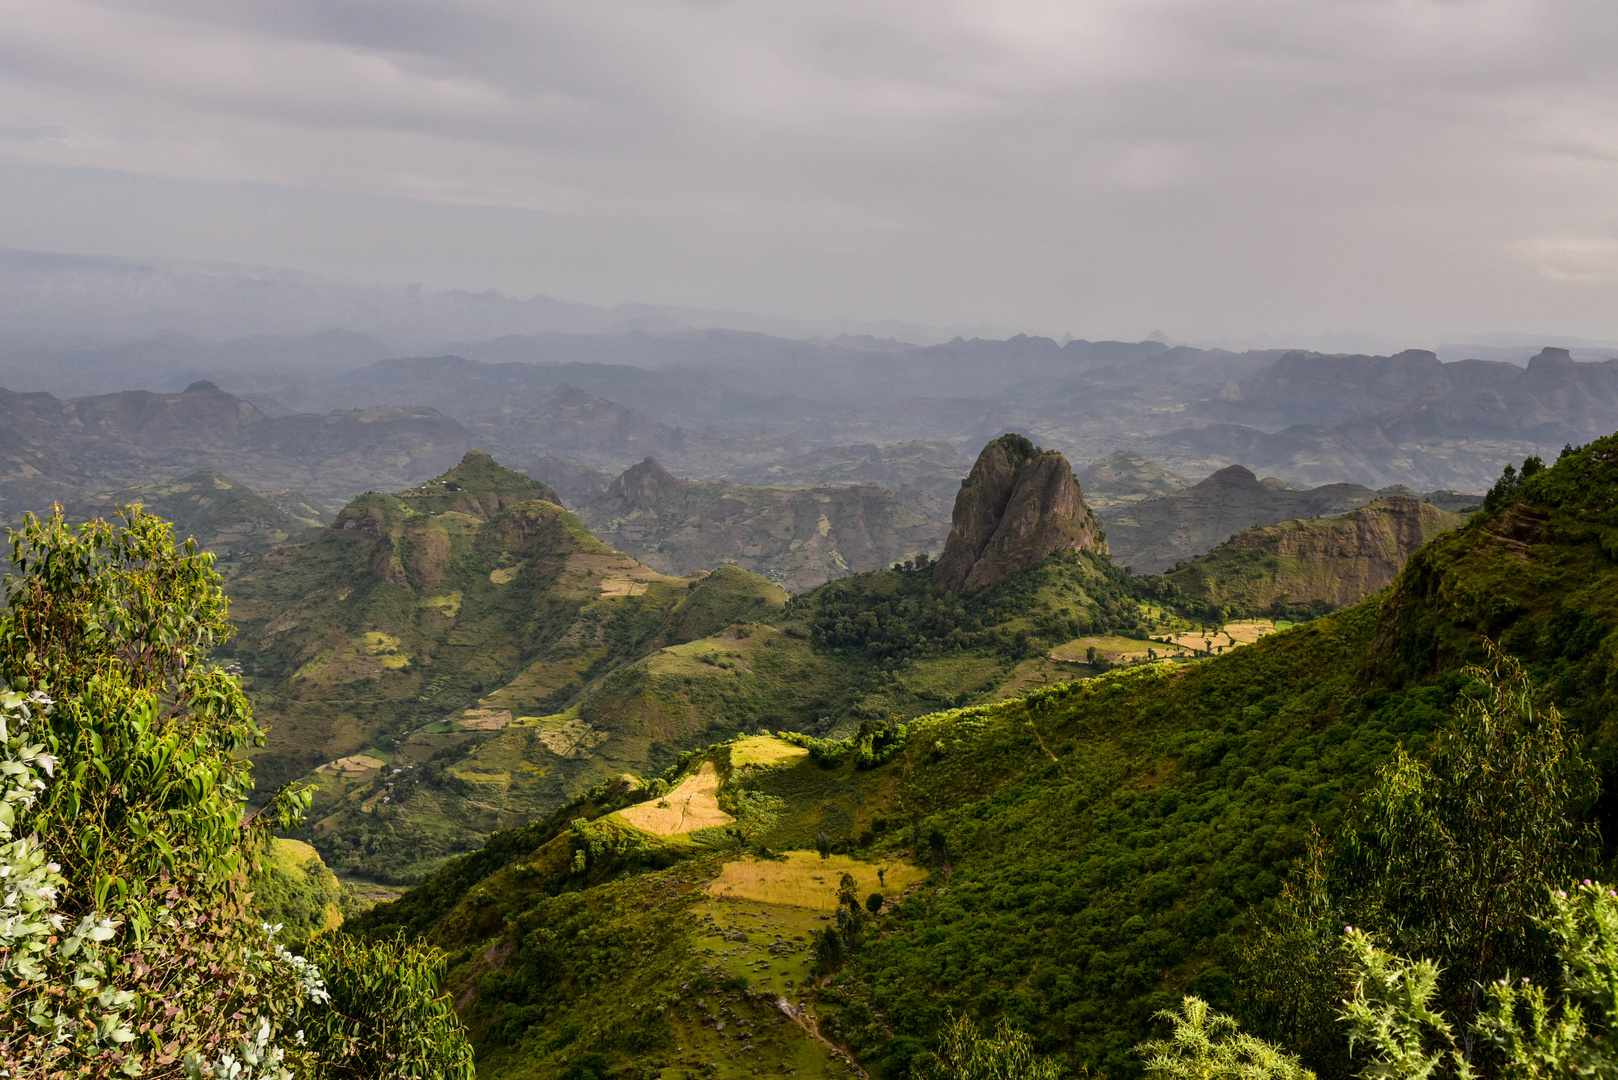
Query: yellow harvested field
pixel 1227 637
pixel 1245 633
pixel 803 879
pixel 621 585
pixel 484 719
pixel 691 806
pixel 355 765
pixel 1114 649
pixel 763 751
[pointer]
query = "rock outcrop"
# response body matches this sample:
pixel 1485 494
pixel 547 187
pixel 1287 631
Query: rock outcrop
pixel 1017 506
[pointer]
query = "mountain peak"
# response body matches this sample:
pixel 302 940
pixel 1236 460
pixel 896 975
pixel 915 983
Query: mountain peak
pixel 479 486
pixel 1233 476
pixel 1019 504
pixel 1551 359
pixel 638 486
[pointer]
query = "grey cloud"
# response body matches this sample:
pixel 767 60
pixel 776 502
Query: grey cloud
pixel 1218 167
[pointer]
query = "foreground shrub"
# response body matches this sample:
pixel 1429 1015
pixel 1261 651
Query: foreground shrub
pixel 127 942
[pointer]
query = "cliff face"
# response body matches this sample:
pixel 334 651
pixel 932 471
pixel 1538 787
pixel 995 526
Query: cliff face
pixel 1017 506
pixel 1337 561
pixel 1153 535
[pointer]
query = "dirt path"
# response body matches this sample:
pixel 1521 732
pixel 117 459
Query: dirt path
pixel 802 1018
pixel 1041 740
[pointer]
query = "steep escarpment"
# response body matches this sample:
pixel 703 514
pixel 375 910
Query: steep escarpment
pixel 1018 505
pixel 1314 563
pixel 1152 536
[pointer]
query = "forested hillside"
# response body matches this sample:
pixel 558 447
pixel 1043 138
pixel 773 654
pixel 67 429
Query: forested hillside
pixel 1088 852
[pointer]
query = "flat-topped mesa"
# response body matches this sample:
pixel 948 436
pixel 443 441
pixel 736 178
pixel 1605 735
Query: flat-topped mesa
pixel 1019 504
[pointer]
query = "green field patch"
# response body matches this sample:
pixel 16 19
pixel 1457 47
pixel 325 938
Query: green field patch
pixel 947 677
pixel 448 603
pixel 730 652
pixel 376 643
pixel 803 879
pixel 485 780
pixel 763 752
pixel 1036 673
pixel 768 945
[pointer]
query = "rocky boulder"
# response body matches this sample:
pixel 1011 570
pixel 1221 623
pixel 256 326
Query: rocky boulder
pixel 1019 504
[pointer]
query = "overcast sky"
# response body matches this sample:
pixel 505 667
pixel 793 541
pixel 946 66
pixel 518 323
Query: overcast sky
pixel 1416 170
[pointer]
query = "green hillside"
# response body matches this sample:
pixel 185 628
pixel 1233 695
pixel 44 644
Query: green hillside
pixel 227 518
pixel 1091 850
pixel 464 657
pixel 1315 564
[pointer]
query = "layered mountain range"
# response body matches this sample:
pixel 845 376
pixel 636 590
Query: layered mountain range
pixel 797 537
pixel 747 407
pixel 61 450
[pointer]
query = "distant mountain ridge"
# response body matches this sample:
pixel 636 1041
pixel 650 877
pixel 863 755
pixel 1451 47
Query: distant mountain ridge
pixel 1407 419
pixel 226 518
pixel 54 449
pixel 1123 478
pixel 797 537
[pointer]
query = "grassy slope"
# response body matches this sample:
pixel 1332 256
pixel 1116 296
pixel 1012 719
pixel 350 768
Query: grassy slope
pixel 1097 849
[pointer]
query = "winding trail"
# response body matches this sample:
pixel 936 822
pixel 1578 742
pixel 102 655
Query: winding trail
pixel 1041 740
pixel 802 1018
